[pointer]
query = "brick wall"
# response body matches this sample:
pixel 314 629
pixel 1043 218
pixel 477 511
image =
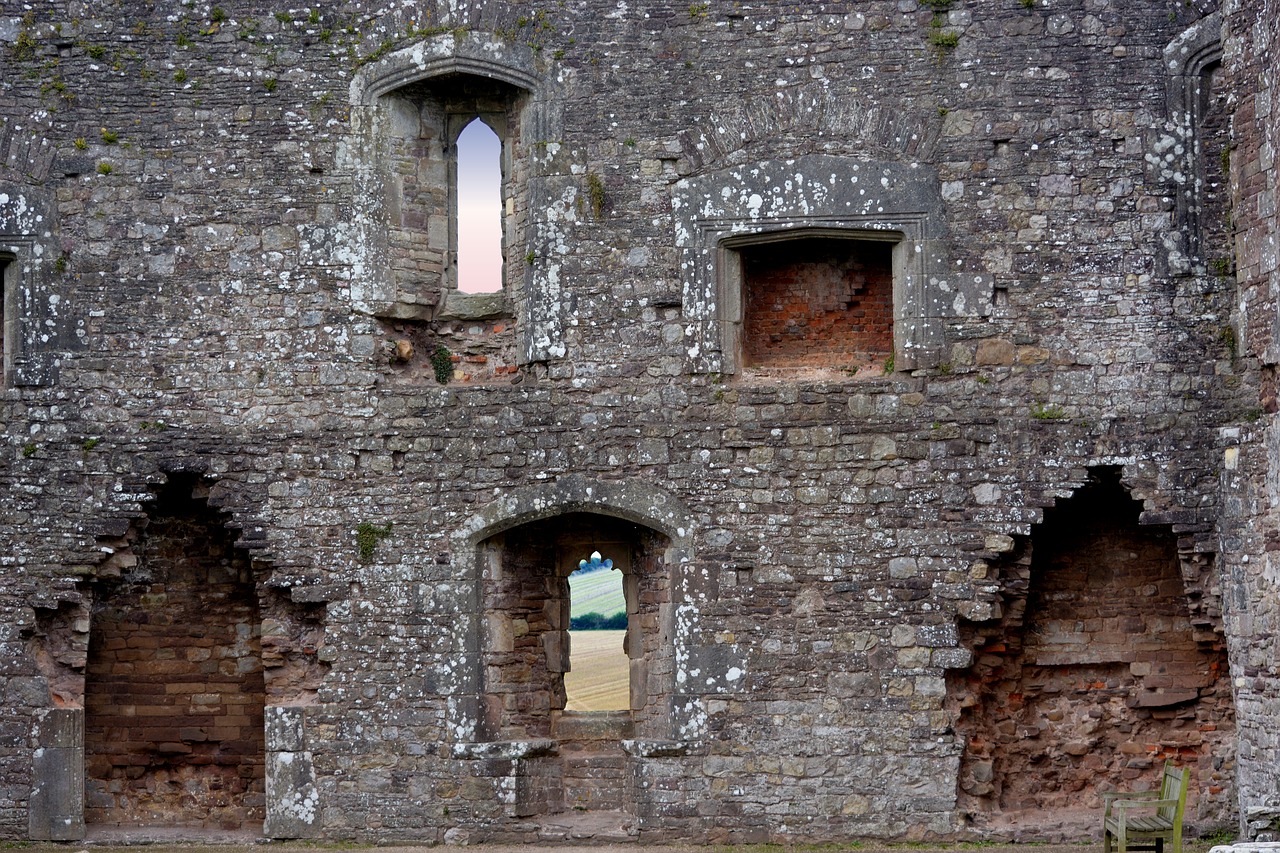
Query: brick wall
pixel 1105 678
pixel 817 303
pixel 174 686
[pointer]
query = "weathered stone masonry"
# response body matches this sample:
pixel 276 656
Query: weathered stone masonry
pixel 918 358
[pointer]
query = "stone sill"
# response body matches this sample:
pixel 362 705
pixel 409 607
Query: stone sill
pixel 509 750
pixel 661 748
pixel 472 306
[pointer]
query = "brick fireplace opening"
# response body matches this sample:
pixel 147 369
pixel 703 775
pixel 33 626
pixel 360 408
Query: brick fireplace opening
pixel 817 302
pixel 1095 675
pixel 174 689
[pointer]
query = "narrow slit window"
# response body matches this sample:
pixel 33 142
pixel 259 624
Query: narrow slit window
pixel 479 209
pixel 599 673
pixel 8 320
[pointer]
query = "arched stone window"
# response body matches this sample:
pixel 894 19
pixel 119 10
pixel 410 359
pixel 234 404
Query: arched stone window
pixel 448 142
pixel 35 289
pixel 510 700
pixel 410 110
pixel 1195 157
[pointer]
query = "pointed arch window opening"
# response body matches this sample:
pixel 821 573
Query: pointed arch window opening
pixel 598 673
pixel 478 208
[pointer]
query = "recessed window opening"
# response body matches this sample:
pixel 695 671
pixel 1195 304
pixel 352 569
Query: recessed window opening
pixel 479 209
pixel 820 302
pixel 599 669
pixel 1212 240
pixel 529 663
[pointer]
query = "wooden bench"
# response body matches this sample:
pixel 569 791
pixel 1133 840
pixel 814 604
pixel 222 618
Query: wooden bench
pixel 1160 818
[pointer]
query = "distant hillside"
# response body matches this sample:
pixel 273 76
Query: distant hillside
pixel 596 592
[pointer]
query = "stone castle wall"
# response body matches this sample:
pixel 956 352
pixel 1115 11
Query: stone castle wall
pixel 226 259
pixel 1249 542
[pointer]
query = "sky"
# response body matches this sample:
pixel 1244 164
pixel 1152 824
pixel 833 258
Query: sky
pixel 479 210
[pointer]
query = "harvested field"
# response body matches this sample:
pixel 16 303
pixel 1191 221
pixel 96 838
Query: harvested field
pixel 600 676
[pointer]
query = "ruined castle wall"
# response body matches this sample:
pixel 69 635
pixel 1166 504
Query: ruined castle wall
pixel 227 309
pixel 1251 583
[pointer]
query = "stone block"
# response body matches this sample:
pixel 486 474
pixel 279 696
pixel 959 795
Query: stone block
pixel 56 805
pixel 284 729
pixel 293 801
pixel 903 567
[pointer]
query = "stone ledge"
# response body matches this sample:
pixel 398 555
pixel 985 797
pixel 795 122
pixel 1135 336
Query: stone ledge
pixel 506 749
pixel 661 748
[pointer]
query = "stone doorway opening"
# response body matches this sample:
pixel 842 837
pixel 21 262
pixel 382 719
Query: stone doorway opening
pixel 527 607
pixel 1096 672
pixel 174 683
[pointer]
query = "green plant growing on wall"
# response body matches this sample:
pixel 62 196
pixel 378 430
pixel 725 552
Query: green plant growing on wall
pixel 1227 337
pixel 109 137
pixel 368 536
pixel 595 193
pixel 104 168
pixel 24 47
pixel 269 84
pixel 442 364
pixel 90 444
pixel 699 10
pixel 888 365
pixel 28 450
pixel 1048 412
pixel 943 41
pixel 80 143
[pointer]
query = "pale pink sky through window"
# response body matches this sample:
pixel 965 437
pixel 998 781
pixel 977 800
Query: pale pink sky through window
pixel 479 209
